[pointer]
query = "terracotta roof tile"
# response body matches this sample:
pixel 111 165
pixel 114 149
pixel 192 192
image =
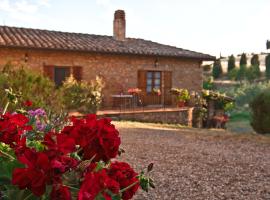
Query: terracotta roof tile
pixel 44 39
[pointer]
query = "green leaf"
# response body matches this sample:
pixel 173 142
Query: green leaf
pixel 4 180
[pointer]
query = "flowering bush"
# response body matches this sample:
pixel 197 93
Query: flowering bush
pixel 134 91
pixel 181 94
pixel 29 85
pixel 40 159
pixel 82 96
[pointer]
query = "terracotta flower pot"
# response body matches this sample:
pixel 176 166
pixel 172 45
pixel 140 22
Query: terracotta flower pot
pixel 181 104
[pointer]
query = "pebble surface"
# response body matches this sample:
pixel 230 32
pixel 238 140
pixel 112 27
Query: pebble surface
pixel 198 164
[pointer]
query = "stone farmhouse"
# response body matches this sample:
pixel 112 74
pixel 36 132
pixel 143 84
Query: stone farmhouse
pixel 122 62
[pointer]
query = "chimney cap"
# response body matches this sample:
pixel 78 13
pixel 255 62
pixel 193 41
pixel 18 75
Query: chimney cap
pixel 119 14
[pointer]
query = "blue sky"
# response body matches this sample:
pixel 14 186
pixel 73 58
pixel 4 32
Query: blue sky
pixel 209 26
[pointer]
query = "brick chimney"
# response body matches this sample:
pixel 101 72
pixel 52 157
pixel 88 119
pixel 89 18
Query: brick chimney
pixel 119 25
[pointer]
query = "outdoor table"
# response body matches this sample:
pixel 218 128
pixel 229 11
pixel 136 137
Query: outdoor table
pixel 122 100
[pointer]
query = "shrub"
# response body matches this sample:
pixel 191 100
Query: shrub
pixel 241 75
pixel 217 69
pixel 245 93
pixel 82 96
pixel 208 83
pixel 30 85
pixel 253 72
pixel 232 74
pixel 75 162
pixel 260 112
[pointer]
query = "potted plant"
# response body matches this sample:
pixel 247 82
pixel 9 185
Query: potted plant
pixel 157 91
pixel 134 91
pixel 183 97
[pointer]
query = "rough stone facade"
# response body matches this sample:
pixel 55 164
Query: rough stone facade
pixel 119 71
pixel 181 116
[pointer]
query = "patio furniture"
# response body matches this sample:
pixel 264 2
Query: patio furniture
pixel 123 101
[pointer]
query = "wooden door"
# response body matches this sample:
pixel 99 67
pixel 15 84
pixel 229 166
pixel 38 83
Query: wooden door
pixel 149 82
pixel 167 87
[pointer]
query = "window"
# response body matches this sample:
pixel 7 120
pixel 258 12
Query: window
pixel 153 80
pixel 60 74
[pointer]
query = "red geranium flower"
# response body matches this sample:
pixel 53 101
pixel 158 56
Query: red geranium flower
pixel 125 176
pixel 58 146
pixel 12 126
pixel 60 192
pixel 27 103
pixel 97 183
pixel 34 177
pixel 98 138
pixel 60 143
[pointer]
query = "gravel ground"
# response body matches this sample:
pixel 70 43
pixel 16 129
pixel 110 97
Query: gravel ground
pixel 198 164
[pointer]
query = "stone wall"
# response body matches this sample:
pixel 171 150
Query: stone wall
pixel 118 71
pixel 183 116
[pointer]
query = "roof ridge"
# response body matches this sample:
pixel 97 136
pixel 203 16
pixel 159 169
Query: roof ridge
pixel 55 31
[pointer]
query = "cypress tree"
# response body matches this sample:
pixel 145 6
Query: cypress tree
pixel 242 73
pixel 231 63
pixel 255 60
pixel 267 65
pixel 254 71
pixel 243 59
pixel 217 69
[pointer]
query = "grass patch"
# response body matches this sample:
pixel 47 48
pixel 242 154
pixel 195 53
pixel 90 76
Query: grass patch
pixel 240 116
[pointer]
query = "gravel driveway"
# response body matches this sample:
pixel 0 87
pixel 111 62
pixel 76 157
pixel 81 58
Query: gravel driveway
pixel 198 164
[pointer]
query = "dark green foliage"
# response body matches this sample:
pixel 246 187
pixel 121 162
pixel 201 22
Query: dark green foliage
pixel 243 59
pixel 245 93
pixel 231 63
pixel 208 83
pixel 242 73
pixel 233 74
pixel 267 65
pixel 253 72
pixel 32 86
pixel 217 69
pixel 255 60
pixel 260 112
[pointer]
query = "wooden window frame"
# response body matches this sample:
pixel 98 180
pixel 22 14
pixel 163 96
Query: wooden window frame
pixel 153 81
pixel 68 70
pixel 49 71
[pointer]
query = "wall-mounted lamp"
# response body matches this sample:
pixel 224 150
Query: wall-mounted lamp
pixel 26 57
pixel 156 63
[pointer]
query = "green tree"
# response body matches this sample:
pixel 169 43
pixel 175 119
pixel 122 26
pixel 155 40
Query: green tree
pixel 243 59
pixel 231 63
pixel 255 60
pixel 217 69
pixel 253 72
pixel 267 65
pixel 242 73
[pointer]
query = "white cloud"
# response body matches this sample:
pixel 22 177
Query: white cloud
pixel 25 7
pixel 44 3
pixel 23 10
pixel 105 3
